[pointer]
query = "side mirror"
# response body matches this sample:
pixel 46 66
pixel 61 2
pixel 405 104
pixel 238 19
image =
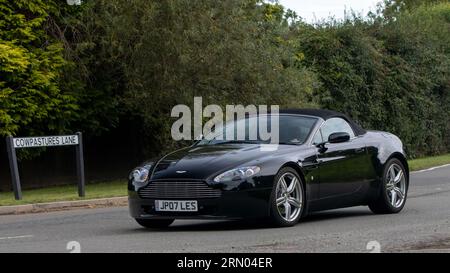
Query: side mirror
pixel 338 137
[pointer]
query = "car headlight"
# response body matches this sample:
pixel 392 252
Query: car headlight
pixel 140 175
pixel 237 174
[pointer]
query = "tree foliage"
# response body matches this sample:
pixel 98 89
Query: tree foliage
pixel 167 52
pixel 30 69
pixel 392 8
pixel 112 62
pixel 390 74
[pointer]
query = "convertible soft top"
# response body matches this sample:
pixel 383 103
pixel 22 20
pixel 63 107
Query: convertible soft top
pixel 326 114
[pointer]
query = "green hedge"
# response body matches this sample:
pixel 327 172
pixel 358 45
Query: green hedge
pixel 390 74
pixel 112 62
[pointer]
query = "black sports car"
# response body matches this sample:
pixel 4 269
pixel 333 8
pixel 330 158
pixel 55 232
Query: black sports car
pixel 324 161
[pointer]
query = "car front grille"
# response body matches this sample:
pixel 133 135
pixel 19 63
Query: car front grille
pixel 192 189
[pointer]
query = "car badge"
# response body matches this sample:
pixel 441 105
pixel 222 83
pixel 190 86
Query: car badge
pixel 181 171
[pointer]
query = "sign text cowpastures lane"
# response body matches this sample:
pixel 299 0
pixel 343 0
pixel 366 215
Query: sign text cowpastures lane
pixel 46 141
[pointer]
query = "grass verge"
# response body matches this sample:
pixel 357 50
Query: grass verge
pixel 119 188
pixel 428 162
pixel 66 193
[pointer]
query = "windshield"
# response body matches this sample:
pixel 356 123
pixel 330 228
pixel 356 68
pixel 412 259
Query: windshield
pixel 292 130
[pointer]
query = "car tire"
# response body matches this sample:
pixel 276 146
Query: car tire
pixel 384 203
pixel 155 223
pixel 287 196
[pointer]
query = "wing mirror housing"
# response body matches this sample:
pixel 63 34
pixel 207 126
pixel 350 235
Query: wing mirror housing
pixel 333 138
pixel 338 137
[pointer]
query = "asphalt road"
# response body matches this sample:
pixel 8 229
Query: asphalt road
pixel 423 226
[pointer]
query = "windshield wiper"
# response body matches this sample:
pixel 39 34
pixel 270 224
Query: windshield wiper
pixel 250 142
pixel 238 142
pixel 289 143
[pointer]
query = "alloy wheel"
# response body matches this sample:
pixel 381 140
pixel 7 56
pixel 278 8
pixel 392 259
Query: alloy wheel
pixel 289 196
pixel 395 185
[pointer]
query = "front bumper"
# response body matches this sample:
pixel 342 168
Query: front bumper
pixel 251 203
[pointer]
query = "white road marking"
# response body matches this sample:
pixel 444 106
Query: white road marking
pixel 16 237
pixel 431 169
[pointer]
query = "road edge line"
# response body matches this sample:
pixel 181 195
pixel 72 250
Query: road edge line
pixel 432 168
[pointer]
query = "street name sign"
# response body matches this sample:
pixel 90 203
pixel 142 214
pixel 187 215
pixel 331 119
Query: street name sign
pixel 13 143
pixel 46 141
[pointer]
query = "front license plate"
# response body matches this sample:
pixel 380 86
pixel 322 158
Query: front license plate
pixel 171 205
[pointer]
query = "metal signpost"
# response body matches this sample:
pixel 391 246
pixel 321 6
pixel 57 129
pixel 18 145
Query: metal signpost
pixel 45 141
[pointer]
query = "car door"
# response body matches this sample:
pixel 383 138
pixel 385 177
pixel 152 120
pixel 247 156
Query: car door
pixel 343 167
